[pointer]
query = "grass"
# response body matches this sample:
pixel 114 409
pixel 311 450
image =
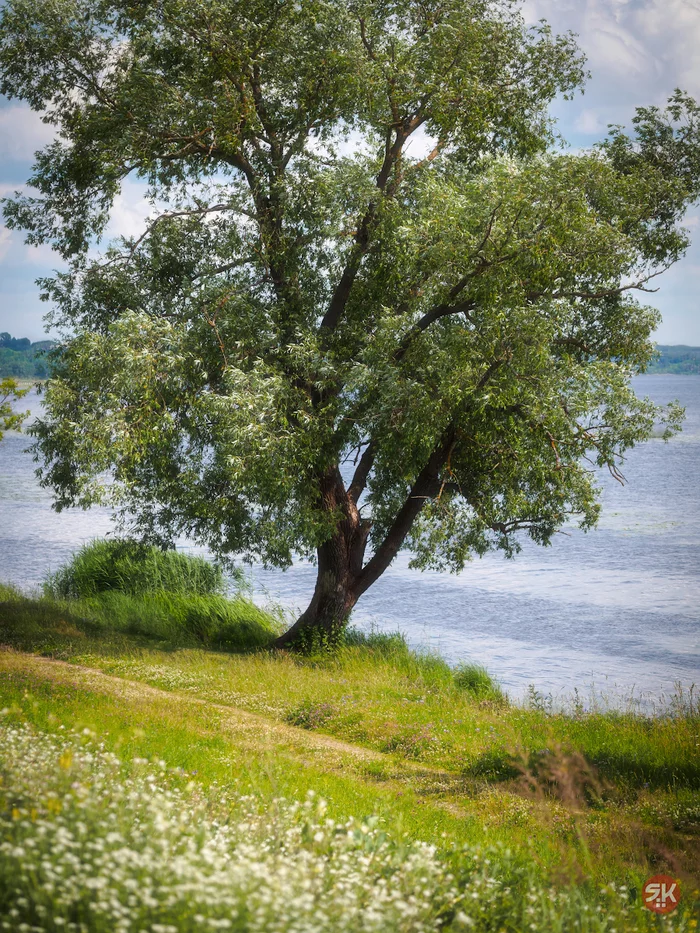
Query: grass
pixel 171 620
pixel 158 851
pixel 126 566
pixel 476 680
pixel 562 803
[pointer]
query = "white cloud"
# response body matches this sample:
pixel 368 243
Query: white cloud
pixel 130 211
pixel 22 133
pixel 5 240
pixel 588 122
pixel 637 50
pixel 9 189
pixel 41 255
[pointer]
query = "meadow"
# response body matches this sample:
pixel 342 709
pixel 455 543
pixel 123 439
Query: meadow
pixel 162 770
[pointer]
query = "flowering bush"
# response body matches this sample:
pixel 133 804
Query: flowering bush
pixel 89 845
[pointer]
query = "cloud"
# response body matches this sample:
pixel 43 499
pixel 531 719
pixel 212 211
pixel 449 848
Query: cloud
pixel 130 211
pixel 638 52
pixel 7 189
pixel 41 255
pixel 588 122
pixel 5 240
pixel 22 133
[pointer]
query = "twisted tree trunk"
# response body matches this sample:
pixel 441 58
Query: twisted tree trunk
pixel 339 567
pixel 342 574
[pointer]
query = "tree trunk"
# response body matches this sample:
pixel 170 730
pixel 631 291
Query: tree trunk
pixel 339 565
pixel 342 575
pixel 323 621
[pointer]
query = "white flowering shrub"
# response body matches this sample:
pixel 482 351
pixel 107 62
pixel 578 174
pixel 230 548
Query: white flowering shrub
pixel 88 845
pixel 91 845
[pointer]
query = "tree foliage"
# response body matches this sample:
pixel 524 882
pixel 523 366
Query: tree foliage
pixel 10 420
pixel 373 304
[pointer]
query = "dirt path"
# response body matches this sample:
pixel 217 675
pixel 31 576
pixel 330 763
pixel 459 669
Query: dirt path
pixel 250 731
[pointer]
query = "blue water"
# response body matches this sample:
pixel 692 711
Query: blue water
pixel 615 611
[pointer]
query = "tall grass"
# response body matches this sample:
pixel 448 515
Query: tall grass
pixel 162 619
pixel 476 680
pixel 127 566
pixel 207 621
pixel 122 586
pixel 433 670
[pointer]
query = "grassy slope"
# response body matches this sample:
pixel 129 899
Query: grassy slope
pixel 612 798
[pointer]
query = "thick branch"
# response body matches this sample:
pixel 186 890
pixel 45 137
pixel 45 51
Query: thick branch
pixel 426 486
pixel 342 291
pixel 392 155
pixel 439 311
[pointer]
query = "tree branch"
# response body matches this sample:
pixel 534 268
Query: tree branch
pixel 439 311
pixel 425 487
pixel 359 479
pixel 606 293
pixel 342 291
pixel 199 211
pixel 227 267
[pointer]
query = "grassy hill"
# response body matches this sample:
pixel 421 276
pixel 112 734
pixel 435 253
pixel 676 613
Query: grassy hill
pixel 370 789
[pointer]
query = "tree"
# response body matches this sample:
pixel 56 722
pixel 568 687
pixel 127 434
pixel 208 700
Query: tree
pixel 10 420
pixel 374 306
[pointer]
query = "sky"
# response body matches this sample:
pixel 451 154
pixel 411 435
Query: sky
pixel 638 51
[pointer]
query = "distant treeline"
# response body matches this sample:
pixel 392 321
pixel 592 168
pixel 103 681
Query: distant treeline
pixel 677 360
pixel 22 359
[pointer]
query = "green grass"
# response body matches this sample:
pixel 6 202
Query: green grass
pixel 168 619
pixel 155 847
pixel 578 799
pixel 476 680
pixel 135 569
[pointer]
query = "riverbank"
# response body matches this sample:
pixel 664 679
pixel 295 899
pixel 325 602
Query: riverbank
pixel 583 802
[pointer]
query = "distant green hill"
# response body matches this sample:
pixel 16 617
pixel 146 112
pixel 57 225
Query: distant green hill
pixel 679 359
pixel 22 359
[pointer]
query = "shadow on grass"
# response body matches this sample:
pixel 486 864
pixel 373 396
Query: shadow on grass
pixel 637 771
pixel 164 620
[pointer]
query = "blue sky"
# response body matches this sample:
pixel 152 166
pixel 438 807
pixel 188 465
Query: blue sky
pixel 638 52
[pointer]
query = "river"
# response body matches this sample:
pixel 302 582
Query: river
pixel 614 613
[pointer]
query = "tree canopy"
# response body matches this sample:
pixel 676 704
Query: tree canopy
pixel 374 304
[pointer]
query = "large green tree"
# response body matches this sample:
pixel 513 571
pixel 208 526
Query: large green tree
pixel 373 305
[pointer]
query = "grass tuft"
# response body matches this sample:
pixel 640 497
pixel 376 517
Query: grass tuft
pixel 476 680
pixel 309 715
pixel 127 566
